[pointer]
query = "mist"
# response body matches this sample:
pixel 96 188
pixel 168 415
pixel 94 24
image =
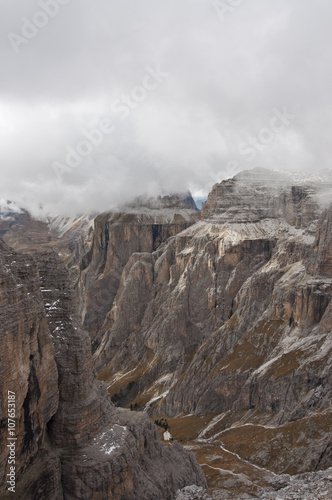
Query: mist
pixel 101 102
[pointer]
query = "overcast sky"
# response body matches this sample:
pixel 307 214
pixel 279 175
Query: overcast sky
pixel 175 95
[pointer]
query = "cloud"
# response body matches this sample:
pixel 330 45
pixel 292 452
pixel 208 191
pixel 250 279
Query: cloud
pixel 224 81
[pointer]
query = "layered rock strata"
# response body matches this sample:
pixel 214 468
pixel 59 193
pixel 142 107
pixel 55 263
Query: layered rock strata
pixel 231 317
pixel 28 370
pixel 71 441
pixel 117 236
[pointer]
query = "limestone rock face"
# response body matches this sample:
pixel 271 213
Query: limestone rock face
pixel 308 486
pixel 117 236
pixel 72 442
pixel 261 194
pixel 70 237
pixel 231 318
pixel 321 261
pixel 28 368
pixel 24 233
pixel 221 323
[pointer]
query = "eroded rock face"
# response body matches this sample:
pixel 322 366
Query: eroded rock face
pixel 72 442
pixel 231 317
pixel 305 486
pixel 24 233
pixel 225 321
pixel 28 368
pixel 261 194
pixel 117 236
pixel 321 261
pixel 69 236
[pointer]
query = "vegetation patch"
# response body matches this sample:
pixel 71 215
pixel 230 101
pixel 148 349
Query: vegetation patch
pixel 186 428
pixel 283 449
pixel 286 364
pixel 251 350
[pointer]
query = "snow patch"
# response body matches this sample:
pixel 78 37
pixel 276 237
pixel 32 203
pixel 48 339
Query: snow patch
pixel 8 208
pixel 61 224
pixel 155 398
pixel 110 440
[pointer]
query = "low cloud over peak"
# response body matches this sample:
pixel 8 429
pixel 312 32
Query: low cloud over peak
pixel 102 102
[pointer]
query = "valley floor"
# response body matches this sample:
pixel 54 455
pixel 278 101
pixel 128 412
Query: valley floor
pixel 231 475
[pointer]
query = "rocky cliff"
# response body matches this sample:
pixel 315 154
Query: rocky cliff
pixel 138 228
pixel 71 441
pixel 69 236
pixel 220 324
pixel 28 371
pixel 224 328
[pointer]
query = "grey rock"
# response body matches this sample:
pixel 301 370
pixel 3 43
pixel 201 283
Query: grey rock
pixel 72 442
pixel 192 492
pixel 230 316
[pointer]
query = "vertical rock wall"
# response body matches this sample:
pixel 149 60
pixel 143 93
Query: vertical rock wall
pixel 71 441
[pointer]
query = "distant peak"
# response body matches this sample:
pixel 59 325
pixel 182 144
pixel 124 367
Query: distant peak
pixel 164 201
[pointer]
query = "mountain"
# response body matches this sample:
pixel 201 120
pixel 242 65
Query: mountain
pixel 139 228
pixel 24 232
pixel 213 325
pixel 221 324
pixel 20 230
pixel 66 439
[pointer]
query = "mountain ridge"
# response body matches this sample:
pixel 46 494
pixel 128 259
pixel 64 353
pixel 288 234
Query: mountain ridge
pixel 71 441
pixel 217 319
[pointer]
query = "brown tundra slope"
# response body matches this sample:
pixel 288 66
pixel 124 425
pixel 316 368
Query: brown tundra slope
pixel 71 442
pixel 223 327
